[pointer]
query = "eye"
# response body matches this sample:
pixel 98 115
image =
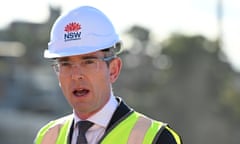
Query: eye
pixel 65 64
pixel 89 61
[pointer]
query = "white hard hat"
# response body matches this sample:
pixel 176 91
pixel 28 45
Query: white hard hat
pixel 82 30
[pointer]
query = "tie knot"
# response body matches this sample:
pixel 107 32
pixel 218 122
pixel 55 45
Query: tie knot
pixel 83 126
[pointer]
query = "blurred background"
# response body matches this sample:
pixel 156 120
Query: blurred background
pixel 181 65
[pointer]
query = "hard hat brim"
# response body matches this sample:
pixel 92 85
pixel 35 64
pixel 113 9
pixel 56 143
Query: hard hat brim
pixel 72 51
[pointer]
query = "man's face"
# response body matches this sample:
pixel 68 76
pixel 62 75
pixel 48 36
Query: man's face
pixel 86 81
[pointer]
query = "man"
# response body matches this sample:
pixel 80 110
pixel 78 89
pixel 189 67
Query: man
pixel 84 46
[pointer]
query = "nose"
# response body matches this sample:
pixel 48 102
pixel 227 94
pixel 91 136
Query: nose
pixel 76 72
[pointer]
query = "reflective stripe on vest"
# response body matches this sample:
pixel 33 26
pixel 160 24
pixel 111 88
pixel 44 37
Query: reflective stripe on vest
pixel 134 129
pixel 55 132
pixel 139 130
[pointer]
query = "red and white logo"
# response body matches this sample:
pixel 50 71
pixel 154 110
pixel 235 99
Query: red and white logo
pixel 72 31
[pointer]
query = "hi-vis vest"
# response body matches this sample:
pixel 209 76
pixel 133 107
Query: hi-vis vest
pixel 135 129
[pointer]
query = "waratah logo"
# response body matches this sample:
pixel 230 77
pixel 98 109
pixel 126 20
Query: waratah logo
pixel 72 31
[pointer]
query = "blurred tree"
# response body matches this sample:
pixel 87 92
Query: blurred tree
pixel 187 92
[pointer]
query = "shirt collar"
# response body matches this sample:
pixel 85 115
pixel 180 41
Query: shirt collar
pixel 102 117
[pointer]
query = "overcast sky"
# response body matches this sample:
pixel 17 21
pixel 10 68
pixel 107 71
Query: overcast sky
pixel 160 16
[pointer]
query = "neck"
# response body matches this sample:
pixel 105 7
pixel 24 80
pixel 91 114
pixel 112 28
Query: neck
pixel 86 115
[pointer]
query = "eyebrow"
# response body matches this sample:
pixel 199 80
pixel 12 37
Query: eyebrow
pixel 90 57
pixel 80 58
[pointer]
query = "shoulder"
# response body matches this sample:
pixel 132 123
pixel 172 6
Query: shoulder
pixel 48 133
pixel 56 122
pixel 52 127
pixel 168 136
pixel 162 131
pixel 62 120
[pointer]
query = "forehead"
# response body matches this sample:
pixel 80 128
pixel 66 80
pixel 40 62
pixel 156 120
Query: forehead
pixel 83 56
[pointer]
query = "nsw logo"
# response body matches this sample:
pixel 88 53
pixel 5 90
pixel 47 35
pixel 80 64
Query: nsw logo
pixel 72 31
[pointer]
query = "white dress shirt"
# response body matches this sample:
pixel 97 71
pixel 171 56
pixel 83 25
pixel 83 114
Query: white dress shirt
pixel 100 120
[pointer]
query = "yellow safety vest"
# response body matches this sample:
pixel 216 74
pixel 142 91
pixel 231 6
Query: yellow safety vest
pixel 135 129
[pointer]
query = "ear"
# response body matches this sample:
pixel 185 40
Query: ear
pixel 115 68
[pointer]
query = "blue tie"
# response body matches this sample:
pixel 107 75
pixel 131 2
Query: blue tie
pixel 83 126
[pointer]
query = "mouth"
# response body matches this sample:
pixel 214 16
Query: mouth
pixel 80 92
